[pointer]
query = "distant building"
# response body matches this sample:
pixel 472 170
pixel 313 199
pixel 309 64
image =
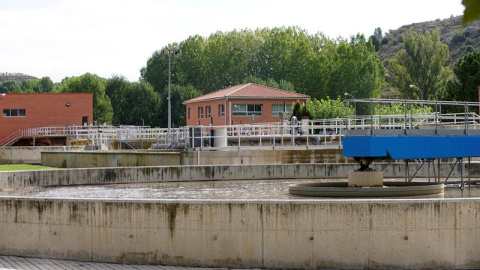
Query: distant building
pixel 31 110
pixel 241 104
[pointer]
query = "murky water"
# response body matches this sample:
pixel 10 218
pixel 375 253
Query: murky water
pixel 208 190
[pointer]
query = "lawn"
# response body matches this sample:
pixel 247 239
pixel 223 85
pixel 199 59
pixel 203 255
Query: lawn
pixel 23 167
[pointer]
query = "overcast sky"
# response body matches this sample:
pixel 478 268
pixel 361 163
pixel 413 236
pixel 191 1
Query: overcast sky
pixel 64 38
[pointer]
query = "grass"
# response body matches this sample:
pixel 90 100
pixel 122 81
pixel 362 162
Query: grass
pixel 23 167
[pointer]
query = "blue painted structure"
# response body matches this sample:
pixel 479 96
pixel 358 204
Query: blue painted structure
pixel 412 146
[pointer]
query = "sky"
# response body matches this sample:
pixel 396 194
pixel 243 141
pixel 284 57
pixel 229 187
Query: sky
pixel 65 38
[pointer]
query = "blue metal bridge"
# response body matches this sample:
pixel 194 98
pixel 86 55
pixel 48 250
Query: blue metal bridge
pixel 426 143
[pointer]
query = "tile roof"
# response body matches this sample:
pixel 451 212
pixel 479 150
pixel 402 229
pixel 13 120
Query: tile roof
pixel 248 91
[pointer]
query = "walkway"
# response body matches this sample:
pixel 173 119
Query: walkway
pixel 16 263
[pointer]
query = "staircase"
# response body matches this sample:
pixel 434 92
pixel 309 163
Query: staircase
pixel 12 138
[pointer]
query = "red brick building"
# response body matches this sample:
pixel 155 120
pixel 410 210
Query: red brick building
pixel 22 111
pixel 237 105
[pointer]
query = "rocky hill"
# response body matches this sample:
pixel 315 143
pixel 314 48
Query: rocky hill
pixel 18 77
pixel 458 38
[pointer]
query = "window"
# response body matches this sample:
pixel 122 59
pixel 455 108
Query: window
pixel 209 111
pixel 221 110
pixel 14 112
pixel 188 113
pixel 200 112
pixel 247 109
pixel 278 108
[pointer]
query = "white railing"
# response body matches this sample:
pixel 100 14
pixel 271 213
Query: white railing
pixel 323 133
pixel 309 134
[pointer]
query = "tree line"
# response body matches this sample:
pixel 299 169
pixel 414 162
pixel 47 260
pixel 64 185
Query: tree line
pixel 287 58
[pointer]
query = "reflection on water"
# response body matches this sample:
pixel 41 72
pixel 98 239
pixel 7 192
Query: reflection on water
pixel 263 190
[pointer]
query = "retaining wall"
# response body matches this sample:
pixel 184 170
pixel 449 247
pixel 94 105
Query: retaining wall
pixel 95 176
pixel 89 159
pixel 28 154
pixel 434 233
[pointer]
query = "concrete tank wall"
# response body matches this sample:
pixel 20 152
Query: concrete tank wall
pixel 430 233
pixel 92 159
pixel 89 159
pixel 64 177
pixel 29 154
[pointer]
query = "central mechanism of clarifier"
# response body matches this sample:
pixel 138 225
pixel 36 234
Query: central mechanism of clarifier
pixel 366 182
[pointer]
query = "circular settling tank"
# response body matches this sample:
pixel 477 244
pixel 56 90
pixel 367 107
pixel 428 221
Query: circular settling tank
pixel 389 189
pixel 241 224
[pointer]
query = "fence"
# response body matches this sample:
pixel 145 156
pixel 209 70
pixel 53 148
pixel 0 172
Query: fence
pixel 325 133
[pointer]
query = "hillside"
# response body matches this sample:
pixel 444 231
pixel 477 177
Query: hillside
pixel 459 39
pixel 17 77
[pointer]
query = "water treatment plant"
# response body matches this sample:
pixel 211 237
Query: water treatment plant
pixel 214 209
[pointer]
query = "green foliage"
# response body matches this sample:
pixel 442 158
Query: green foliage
pixel 377 38
pixel 300 111
pixel 89 83
pixel 378 33
pixel 133 103
pixel 458 36
pixel 399 109
pixel 375 42
pixel 385 40
pixel 355 69
pixel 10 87
pixel 464 86
pixel 45 85
pixel 471 12
pixel 178 94
pixel 420 67
pixel 284 85
pixel 329 108
pixel 287 56
pixel 28 85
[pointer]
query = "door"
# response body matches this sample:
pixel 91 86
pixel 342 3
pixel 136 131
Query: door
pixel 84 120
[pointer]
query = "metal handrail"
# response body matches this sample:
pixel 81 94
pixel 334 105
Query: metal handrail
pixel 317 133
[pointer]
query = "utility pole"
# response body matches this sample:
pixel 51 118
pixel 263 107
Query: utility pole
pixel 170 52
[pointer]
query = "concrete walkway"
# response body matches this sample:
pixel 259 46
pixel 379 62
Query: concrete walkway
pixel 16 263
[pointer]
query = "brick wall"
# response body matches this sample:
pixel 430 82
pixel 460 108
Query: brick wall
pixel 44 109
pixel 216 120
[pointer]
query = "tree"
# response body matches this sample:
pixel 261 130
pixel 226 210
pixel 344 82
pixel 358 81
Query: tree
pixel 178 94
pixel 133 103
pixel 356 69
pixel 45 85
pixel 376 42
pixel 29 86
pixel 142 105
pixel 10 87
pixel 116 88
pixel 464 85
pixel 328 108
pixel 89 83
pixel 284 85
pixel 378 33
pixel 376 38
pixel 419 69
pixel 310 64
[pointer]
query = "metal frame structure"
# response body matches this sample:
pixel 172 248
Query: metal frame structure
pixel 436 136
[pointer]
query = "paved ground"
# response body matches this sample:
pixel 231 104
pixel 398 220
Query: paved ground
pixel 12 262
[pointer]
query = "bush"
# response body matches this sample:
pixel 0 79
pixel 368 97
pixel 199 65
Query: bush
pixel 385 40
pixel 458 36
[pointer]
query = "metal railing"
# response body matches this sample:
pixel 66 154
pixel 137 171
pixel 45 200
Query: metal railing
pixel 463 120
pixel 306 134
pixel 321 133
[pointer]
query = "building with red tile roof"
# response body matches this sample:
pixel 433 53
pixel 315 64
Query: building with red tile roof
pixel 241 104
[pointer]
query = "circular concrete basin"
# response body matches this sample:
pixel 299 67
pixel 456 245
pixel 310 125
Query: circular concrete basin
pixel 389 189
